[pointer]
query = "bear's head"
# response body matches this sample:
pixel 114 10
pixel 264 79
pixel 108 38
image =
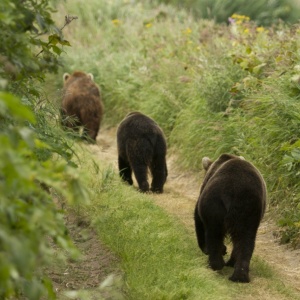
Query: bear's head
pixel 69 78
pixel 211 167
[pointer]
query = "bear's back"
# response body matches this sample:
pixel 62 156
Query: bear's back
pixel 235 181
pixel 136 124
pixel 81 85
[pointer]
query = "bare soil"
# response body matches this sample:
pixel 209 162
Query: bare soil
pixel 88 273
pixel 179 198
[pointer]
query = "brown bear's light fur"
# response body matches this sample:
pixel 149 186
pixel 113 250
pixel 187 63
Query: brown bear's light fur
pixel 82 104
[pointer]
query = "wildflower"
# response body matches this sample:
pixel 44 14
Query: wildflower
pixel 260 29
pixel 188 31
pixel 116 22
pixel 148 25
pixel 240 18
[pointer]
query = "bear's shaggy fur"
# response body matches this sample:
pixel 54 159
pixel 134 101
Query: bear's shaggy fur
pixel 232 201
pixel 81 103
pixel 142 145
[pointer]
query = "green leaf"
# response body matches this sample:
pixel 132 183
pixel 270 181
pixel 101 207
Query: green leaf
pixel 64 42
pixel 16 108
pixel 57 50
pixel 53 39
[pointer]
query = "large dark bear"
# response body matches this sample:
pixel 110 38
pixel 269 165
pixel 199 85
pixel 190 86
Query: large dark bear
pixel 142 145
pixel 232 201
pixel 82 104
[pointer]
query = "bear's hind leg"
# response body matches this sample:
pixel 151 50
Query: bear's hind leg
pixel 140 172
pixel 215 247
pixel 125 170
pixel 232 259
pixel 240 258
pixel 91 128
pixel 158 170
pixel 139 154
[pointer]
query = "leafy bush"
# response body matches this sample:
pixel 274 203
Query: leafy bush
pixel 36 160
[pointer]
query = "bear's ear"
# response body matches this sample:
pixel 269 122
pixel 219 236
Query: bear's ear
pixel 91 76
pixel 206 162
pixel 66 76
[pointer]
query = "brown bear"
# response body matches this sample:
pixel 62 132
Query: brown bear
pixel 232 201
pixel 142 145
pixel 82 104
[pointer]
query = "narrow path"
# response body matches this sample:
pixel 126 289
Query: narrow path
pixel 179 198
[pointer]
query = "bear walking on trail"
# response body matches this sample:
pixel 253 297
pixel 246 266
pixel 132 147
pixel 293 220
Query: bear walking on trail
pixel 232 201
pixel 142 146
pixel 81 104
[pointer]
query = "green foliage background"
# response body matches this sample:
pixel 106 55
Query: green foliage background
pixel 264 12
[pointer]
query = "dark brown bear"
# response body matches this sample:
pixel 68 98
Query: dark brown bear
pixel 232 201
pixel 82 104
pixel 142 145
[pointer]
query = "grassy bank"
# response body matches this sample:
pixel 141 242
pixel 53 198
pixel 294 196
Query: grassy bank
pixel 158 255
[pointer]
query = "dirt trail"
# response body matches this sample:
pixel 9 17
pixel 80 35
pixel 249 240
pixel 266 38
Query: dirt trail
pixel 181 193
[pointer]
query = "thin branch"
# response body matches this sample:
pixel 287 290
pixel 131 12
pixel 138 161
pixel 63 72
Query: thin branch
pixel 68 20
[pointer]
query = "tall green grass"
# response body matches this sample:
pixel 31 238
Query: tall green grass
pixel 212 88
pixel 264 12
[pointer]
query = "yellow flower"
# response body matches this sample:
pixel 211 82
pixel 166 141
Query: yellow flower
pixel 260 29
pixel 240 18
pixel 116 22
pixel 187 31
pixel 148 25
pixel 246 30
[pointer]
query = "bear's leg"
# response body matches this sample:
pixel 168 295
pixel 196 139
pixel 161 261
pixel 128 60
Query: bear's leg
pixel 215 245
pixel 241 256
pixel 232 259
pixel 140 172
pixel 125 170
pixel 139 153
pixel 200 231
pixel 91 128
pixel 158 170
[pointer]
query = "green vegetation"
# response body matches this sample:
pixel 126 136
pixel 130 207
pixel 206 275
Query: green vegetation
pixel 159 256
pixel 264 12
pixel 213 88
pixel 36 164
